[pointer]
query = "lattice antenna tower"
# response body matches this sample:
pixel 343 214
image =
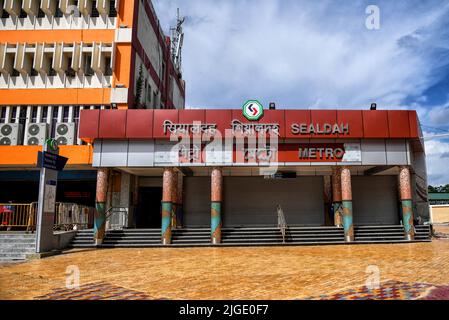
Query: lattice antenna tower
pixel 177 41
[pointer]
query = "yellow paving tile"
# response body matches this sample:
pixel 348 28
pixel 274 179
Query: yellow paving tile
pixel 231 273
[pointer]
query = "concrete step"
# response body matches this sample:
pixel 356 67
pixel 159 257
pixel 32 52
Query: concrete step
pixel 131 241
pixel 17 245
pixel 17 250
pixel 20 241
pixel 12 256
pixel 134 231
pixel 16 235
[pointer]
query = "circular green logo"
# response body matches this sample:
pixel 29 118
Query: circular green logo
pixel 52 144
pixel 253 110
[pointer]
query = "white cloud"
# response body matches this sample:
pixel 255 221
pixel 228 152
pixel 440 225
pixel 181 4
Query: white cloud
pixel 303 53
pixel 315 54
pixel 437 161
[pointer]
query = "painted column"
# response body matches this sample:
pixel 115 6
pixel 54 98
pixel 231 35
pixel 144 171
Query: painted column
pixel 167 194
pixel 336 196
pixel 406 202
pixel 174 198
pixel 216 200
pixel 179 210
pixel 100 206
pixel 346 199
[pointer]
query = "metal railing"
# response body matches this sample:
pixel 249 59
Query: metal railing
pixel 18 215
pixel 72 216
pixel 282 224
pixel 116 218
pixel 68 216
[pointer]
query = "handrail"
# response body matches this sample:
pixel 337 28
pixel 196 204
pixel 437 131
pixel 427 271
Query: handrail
pixel 282 224
pixel 119 222
pixel 111 210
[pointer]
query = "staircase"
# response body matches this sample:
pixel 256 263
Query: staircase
pixel 194 237
pixel 242 236
pixel 273 236
pixel 389 234
pixel 14 246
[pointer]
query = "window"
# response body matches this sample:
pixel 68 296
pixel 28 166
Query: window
pixel 5 14
pixel 95 13
pixel 163 72
pixel 112 10
pixel 2 115
pixel 149 94
pixel 22 14
pixel 33 114
pixel 107 67
pixel 41 14
pixel 88 71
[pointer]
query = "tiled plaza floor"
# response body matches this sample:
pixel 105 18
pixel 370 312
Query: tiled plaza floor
pixel 406 271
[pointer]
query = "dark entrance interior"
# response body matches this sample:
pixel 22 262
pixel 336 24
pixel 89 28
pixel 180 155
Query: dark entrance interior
pixel 148 213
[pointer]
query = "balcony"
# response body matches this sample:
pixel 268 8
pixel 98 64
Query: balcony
pixel 48 15
pixel 55 66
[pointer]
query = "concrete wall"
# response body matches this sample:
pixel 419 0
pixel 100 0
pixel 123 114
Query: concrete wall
pixel 149 153
pixel 440 213
pixel 151 96
pixel 61 240
pixel 148 39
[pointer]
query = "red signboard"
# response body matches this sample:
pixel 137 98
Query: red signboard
pixel 285 124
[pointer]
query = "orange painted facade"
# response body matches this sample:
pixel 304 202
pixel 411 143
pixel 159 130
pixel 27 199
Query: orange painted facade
pixel 26 156
pixel 56 96
pixel 51 36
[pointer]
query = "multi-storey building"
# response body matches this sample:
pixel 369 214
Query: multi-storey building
pixel 60 57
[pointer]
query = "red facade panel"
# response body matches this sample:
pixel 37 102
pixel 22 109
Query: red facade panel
pixel 275 117
pixel 322 117
pixel 147 124
pixel 112 124
pixel 160 116
pixel 398 124
pixel 414 124
pixel 269 117
pixel 375 124
pixel 89 124
pixel 296 117
pixel 352 118
pixel 139 124
pixel 189 116
pixel 222 118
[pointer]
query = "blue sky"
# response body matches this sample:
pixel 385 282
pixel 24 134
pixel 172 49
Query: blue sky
pixel 319 54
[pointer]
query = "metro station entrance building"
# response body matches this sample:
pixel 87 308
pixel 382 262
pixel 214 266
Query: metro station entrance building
pixel 224 169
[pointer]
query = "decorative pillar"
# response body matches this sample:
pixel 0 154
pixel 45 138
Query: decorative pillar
pixel 179 201
pixel 406 202
pixel 100 206
pixel 346 199
pixel 174 200
pixel 167 194
pixel 216 200
pixel 336 196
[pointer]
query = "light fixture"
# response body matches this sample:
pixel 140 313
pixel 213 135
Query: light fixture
pixel 373 106
pixel 272 106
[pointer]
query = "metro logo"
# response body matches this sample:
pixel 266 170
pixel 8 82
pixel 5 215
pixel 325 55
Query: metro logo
pixel 253 110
